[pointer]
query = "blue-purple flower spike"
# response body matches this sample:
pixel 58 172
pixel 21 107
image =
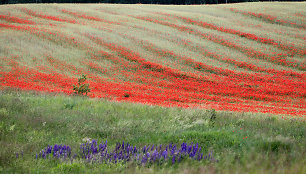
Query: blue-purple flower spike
pixel 92 152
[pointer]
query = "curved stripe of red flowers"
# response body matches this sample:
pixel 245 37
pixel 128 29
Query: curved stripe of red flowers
pixel 81 15
pixel 222 58
pixel 241 75
pixel 59 82
pixel 17 27
pixel 131 56
pixel 49 17
pixel 291 49
pixel 48 34
pixel 186 85
pixel 136 58
pixel 269 18
pixel 278 58
pixel 62 81
pixel 181 85
pixel 28 28
pixel 15 19
pixel 172 98
pixel 199 65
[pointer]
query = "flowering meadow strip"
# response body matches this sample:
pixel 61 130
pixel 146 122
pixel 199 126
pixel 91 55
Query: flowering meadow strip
pixel 51 35
pixel 291 49
pixel 29 79
pixel 212 68
pixel 14 19
pixel 92 152
pixel 235 88
pixel 95 67
pixel 300 15
pixel 81 15
pixel 170 97
pixel 134 57
pixel 279 58
pixel 199 66
pixel 223 58
pixel 269 18
pixel 18 27
pixel 132 78
pixel 44 16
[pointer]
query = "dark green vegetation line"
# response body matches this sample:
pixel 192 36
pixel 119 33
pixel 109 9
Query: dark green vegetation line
pixel 242 142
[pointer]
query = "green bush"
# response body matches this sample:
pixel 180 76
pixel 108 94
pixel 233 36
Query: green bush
pixel 81 88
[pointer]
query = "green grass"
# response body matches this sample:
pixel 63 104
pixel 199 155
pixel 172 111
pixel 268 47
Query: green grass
pixel 30 121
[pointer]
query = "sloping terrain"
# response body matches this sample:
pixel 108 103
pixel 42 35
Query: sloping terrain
pixel 243 57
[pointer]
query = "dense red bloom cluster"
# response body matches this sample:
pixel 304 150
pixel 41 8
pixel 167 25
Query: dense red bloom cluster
pixel 120 73
pixel 15 19
pixel 269 18
pixel 175 92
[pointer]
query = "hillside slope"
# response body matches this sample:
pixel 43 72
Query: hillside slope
pixel 246 57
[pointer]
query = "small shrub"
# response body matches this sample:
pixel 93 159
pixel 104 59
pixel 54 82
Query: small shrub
pixel 213 117
pixel 81 88
pixel 126 95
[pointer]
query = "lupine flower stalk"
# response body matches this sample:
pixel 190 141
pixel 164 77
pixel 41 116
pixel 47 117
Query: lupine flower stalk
pixel 92 152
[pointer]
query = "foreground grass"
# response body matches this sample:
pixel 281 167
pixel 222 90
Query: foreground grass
pixel 29 122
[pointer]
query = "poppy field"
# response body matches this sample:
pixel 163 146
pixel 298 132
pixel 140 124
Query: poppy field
pixel 209 57
pixel 120 88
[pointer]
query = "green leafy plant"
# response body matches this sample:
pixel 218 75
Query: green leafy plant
pixel 213 117
pixel 81 88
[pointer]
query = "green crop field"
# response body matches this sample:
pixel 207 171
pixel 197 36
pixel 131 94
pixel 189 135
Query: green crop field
pixel 229 80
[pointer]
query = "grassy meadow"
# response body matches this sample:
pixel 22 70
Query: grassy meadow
pixel 230 77
pixel 31 121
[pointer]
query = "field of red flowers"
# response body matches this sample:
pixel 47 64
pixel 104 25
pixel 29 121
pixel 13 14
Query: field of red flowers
pixel 210 57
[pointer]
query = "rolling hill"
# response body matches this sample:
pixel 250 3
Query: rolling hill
pixel 242 57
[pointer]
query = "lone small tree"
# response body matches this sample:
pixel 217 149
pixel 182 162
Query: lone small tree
pixel 81 88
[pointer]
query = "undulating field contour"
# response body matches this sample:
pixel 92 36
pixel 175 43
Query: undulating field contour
pixel 239 57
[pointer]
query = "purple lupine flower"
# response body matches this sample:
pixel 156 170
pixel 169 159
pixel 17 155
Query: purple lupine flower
pixel 189 148
pixel 173 159
pixel 155 155
pixel 144 159
pixel 135 150
pixel 170 146
pixel 148 148
pixel 165 154
pixel 127 152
